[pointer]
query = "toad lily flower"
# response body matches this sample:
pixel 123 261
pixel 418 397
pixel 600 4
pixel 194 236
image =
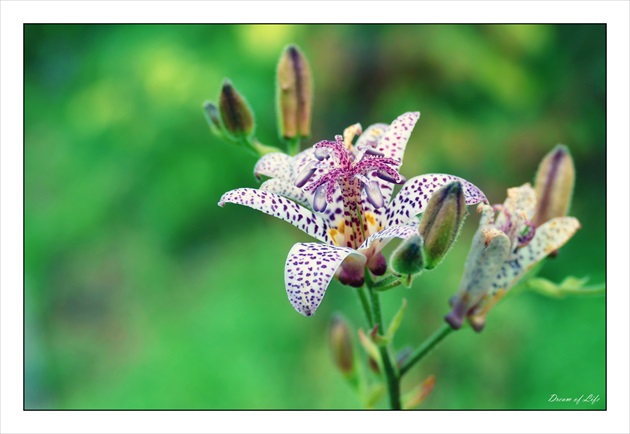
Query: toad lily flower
pixel 348 189
pixel 503 250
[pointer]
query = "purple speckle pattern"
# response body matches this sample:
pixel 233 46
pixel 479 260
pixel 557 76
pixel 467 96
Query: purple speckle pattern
pixel 549 237
pixel 308 271
pixel 280 207
pixel 394 141
pixel 381 238
pixel 413 197
pixel 274 165
pixel 287 189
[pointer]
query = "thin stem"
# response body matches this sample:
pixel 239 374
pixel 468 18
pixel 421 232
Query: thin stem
pixel 426 347
pixel 392 378
pixel 365 304
pixel 293 145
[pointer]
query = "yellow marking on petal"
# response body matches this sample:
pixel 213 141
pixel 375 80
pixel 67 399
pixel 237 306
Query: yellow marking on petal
pixel 342 226
pixel 333 236
pixel 371 219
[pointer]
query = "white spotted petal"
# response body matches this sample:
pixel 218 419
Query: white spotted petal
pixel 308 271
pixel 280 207
pixel 380 239
pixel 275 165
pixel 393 143
pixel 413 197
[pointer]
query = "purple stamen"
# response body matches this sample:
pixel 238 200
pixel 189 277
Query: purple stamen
pixel 321 154
pixel 305 175
pixel 319 199
pixel 374 195
pixel 372 151
pixel 387 177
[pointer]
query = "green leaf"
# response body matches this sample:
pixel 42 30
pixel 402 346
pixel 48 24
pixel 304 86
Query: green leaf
pixel 569 286
pixel 396 320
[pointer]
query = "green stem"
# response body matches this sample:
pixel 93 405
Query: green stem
pixel 365 304
pixel 391 376
pixel 293 145
pixel 426 347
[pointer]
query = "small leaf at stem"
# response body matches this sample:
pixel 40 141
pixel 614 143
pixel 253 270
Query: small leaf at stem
pixel 396 320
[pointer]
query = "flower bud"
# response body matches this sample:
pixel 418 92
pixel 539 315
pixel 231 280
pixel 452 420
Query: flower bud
pixel 237 117
pixel 294 94
pixel 212 116
pixel 554 185
pixel 408 258
pixel 341 345
pixel 441 222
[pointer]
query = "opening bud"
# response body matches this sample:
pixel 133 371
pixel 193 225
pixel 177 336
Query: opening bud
pixel 237 117
pixel 341 344
pixel 554 185
pixel 294 94
pixel 441 222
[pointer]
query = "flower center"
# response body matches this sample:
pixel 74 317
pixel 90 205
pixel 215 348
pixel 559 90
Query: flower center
pixel 338 166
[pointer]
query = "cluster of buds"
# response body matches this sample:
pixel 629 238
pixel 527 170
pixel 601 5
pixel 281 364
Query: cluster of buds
pixel 233 119
pixel 439 227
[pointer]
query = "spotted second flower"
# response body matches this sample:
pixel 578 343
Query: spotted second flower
pixel 340 193
pixel 504 248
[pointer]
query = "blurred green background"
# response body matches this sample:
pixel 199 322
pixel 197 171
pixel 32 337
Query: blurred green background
pixel 142 293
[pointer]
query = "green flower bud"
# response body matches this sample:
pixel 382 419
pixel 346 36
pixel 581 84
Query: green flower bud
pixel 213 117
pixel 237 117
pixel 408 258
pixel 441 222
pixel 294 94
pixel 341 345
pixel 554 185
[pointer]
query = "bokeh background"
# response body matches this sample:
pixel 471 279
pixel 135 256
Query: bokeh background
pixel 142 293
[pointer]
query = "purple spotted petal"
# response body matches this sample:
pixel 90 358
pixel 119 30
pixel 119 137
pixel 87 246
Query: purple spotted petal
pixel 391 141
pixel 394 141
pixel 412 199
pixel 287 189
pixel 274 165
pixel 280 207
pixel 308 271
pixel 380 239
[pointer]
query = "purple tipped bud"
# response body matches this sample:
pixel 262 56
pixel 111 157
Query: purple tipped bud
pixel 294 93
pixel 238 120
pixel 387 177
pixel 374 195
pixel 341 344
pixel 554 185
pixel 441 222
pixel 305 175
pixel 319 199
pixel 321 153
